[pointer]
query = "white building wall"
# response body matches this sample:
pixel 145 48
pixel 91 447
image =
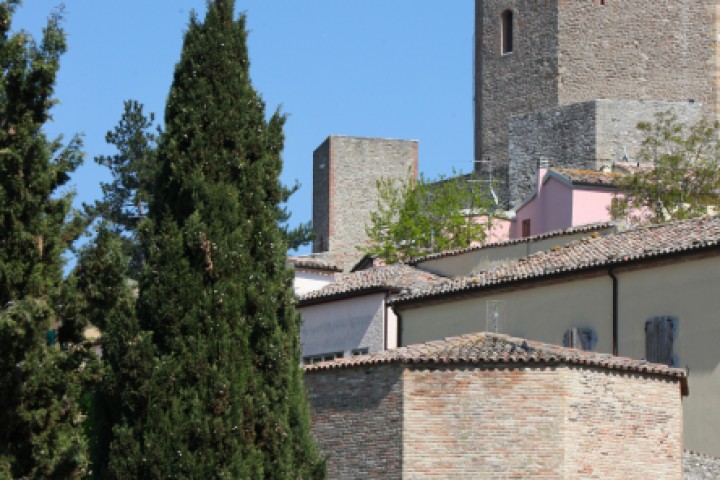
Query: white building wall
pixel 306 282
pixel 344 325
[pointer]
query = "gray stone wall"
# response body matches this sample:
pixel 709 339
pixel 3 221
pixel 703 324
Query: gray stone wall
pixel 700 467
pixel 627 50
pixel 508 84
pixel 344 188
pixel 585 135
pixel 574 51
pixel 356 419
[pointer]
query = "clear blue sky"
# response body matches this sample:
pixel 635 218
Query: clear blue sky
pixel 377 68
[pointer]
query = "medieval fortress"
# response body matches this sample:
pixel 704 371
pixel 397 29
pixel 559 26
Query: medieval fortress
pixel 566 81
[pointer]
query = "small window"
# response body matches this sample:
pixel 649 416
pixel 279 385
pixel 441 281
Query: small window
pixel 660 333
pixel 506 32
pixel 323 357
pixel 360 351
pixel 580 338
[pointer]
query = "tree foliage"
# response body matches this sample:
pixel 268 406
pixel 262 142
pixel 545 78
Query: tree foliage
pixel 683 176
pixel 41 418
pixel 419 217
pixel 222 395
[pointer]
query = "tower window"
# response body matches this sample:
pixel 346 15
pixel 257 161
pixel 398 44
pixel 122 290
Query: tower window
pixel 506 32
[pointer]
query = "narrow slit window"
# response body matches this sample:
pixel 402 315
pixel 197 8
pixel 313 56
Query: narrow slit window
pixel 506 32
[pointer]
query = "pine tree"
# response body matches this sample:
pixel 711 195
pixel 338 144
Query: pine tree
pixel 41 432
pixel 225 397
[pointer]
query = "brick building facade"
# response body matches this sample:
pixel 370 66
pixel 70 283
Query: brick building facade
pixel 492 406
pixel 537 55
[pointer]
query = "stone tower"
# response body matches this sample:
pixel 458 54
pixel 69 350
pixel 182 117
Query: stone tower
pixel 536 55
pixel 345 172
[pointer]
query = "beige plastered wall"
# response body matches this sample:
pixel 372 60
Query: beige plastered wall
pixel 690 291
pixel 541 313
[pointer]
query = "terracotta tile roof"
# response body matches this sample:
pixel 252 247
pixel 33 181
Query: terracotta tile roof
pixel 496 348
pixel 587 253
pixel 589 177
pixel 316 261
pixel 589 228
pixel 396 277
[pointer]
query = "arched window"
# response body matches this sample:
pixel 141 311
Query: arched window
pixel 506 32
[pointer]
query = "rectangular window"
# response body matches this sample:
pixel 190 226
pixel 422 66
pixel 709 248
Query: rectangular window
pixel 323 357
pixel 360 351
pixel 660 333
pixel 506 32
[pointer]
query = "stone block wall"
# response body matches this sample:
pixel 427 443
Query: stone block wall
pixel 574 51
pixel 508 84
pixel 345 172
pixel 356 417
pixel 584 135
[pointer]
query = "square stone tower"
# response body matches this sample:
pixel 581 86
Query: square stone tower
pixel 345 172
pixel 533 55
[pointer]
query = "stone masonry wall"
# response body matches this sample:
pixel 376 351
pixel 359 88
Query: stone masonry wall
pixel 356 417
pixel 583 135
pixel 620 426
pixel 508 84
pixel 573 51
pixel 345 171
pixel 626 50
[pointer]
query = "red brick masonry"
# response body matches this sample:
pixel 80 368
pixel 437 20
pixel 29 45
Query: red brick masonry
pixel 492 406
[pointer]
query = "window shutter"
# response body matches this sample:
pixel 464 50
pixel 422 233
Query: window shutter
pixel 578 337
pixel 659 334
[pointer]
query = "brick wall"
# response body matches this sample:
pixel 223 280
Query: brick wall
pixel 620 426
pixel 470 423
pixel 345 172
pixel 356 417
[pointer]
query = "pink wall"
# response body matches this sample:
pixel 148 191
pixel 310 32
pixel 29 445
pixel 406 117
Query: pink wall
pixel 556 207
pixel 591 206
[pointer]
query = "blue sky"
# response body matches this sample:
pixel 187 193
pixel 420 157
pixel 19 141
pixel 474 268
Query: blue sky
pixel 377 68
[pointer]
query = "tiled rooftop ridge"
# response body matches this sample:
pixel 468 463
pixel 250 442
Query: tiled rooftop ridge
pixel 590 252
pixel 496 348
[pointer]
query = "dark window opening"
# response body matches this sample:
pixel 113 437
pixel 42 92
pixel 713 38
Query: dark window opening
pixel 659 335
pixel 525 228
pixel 360 351
pixel 323 357
pixel 506 34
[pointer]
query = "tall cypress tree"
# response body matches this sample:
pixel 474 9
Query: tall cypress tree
pixel 225 398
pixel 41 431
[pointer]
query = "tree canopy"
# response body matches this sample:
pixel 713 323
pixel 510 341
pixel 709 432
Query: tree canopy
pixel 681 174
pixel 224 396
pixel 419 217
pixel 41 385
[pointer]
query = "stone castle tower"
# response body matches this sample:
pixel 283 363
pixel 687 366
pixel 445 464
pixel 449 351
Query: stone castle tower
pixel 568 80
pixel 345 172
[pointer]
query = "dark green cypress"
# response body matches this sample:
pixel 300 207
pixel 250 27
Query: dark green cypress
pixel 41 427
pixel 225 398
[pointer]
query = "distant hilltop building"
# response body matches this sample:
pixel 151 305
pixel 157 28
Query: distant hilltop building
pixel 566 81
pixel 345 175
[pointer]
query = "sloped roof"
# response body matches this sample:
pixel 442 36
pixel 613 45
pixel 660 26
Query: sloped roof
pixel 496 348
pixel 588 177
pixel 587 253
pixel 316 261
pixel 398 277
pixel 589 228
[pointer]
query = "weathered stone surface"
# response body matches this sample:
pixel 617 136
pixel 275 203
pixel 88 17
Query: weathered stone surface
pixel 700 467
pixel 573 51
pixel 345 172
pixel 583 135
